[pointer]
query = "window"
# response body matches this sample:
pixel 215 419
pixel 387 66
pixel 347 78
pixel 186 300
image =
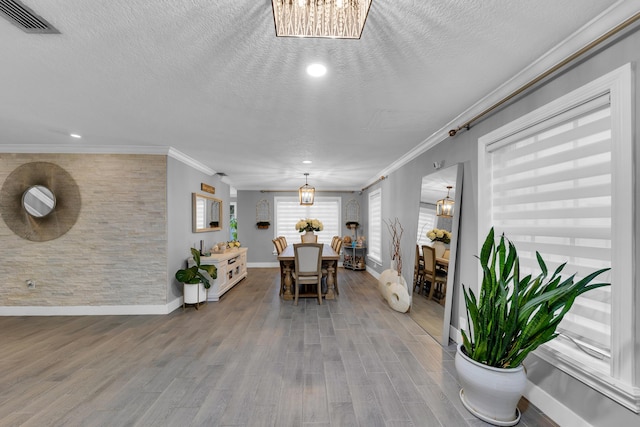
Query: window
pixel 559 181
pixel 288 211
pixel 426 222
pixel 375 226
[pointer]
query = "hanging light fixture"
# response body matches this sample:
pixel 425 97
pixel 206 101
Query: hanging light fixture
pixel 306 193
pixel 320 18
pixel 444 207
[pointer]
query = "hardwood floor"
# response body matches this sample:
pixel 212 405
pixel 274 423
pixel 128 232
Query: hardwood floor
pixel 249 360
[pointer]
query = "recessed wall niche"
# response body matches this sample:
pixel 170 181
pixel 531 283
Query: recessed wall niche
pixel 52 225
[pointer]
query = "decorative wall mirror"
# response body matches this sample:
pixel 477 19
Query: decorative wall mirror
pixel 207 213
pixel 432 310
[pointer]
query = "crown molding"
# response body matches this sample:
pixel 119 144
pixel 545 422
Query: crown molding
pixel 190 161
pixel 107 149
pixel 601 24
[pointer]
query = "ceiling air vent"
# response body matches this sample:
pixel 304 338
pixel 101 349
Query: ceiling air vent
pixel 23 17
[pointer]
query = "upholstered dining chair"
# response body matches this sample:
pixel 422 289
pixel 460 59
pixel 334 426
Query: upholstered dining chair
pixel 337 249
pixel 418 271
pixel 436 277
pixel 279 248
pixel 278 245
pixel 309 238
pixel 283 241
pixel 308 269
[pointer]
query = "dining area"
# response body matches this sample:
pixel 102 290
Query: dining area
pixel 308 268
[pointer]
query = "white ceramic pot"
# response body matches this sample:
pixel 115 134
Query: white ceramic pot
pixel 491 394
pixel 440 247
pixel 194 293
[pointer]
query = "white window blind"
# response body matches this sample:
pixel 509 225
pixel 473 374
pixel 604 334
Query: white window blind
pixel 288 212
pixel 551 192
pixel 374 250
pixel 426 222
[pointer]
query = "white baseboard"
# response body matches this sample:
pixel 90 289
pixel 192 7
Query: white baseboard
pixel 553 408
pixel 91 310
pixel 263 265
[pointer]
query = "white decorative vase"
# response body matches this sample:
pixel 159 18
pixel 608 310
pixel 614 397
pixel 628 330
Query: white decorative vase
pixel 439 247
pixel 386 277
pixel 308 237
pixel 394 289
pixel 398 296
pixel 491 394
pixel 194 293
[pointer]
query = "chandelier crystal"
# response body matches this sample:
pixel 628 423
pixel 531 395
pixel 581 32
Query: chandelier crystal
pixel 320 18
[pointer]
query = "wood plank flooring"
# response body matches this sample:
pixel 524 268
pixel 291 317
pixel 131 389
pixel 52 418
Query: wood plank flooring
pixel 249 360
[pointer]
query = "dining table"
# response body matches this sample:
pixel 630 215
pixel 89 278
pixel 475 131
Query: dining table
pixel 330 260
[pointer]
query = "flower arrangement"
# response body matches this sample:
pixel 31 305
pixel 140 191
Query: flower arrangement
pixel 438 235
pixel 309 224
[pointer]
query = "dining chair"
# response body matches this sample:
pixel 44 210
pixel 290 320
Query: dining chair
pixel 418 271
pixel 279 248
pixel 337 249
pixel 334 239
pixel 436 277
pixel 283 241
pixel 308 269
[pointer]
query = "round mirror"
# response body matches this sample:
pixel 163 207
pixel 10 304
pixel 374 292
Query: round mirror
pixel 38 201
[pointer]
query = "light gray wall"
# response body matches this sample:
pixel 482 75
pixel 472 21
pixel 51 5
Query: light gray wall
pixel 400 193
pixel 182 181
pixel 259 241
pixel 115 254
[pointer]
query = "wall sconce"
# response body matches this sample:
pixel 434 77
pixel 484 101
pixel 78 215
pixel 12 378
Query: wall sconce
pixel 306 193
pixel 444 207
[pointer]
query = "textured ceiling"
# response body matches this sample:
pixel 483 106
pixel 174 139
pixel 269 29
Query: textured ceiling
pixel 211 79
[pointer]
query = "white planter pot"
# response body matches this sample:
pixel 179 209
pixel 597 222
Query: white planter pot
pixel 491 394
pixel 194 293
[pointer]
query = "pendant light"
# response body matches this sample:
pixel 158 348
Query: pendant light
pixel 444 207
pixel 306 193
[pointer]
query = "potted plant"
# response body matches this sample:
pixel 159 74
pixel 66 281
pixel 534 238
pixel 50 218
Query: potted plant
pixel 511 317
pixel 195 283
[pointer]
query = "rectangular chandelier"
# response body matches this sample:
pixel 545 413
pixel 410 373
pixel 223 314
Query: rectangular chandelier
pixel 342 19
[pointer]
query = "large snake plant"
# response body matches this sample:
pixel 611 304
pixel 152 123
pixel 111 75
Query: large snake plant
pixel 514 315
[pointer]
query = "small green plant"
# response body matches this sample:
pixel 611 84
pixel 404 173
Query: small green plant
pixel 193 275
pixel 513 315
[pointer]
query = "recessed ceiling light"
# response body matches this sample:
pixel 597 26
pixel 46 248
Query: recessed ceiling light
pixel 75 135
pixel 316 70
pixel 306 162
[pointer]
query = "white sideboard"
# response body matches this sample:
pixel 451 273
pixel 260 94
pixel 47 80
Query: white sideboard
pixel 232 267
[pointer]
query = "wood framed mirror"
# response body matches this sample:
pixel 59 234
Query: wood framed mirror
pixel 207 213
pixel 433 312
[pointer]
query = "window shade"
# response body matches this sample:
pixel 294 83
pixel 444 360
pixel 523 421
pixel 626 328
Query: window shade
pixel 551 193
pixel 288 212
pixel 426 222
pixel 375 226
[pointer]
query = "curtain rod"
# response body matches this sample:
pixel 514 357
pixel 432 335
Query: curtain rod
pixel 374 183
pixel 317 191
pixel 550 71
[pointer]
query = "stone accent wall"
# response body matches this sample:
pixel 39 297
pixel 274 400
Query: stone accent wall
pixel 115 254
